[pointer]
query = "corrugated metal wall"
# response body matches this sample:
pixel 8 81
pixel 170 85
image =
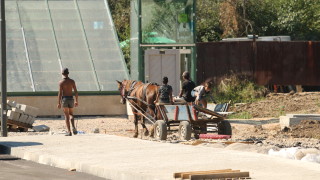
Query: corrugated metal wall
pixel 281 63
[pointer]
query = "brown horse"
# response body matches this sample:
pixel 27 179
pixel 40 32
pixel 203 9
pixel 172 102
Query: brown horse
pixel 145 92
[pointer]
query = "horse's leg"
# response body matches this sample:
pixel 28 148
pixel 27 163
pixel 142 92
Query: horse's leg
pixel 145 129
pixel 136 132
pixel 154 115
pixel 152 127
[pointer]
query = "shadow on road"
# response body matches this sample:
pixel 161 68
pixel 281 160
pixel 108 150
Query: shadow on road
pixel 5 147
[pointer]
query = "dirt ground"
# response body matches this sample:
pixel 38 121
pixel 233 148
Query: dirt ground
pixel 269 135
pixel 277 104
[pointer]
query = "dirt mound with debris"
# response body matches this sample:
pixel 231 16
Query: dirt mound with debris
pixel 305 129
pixel 278 104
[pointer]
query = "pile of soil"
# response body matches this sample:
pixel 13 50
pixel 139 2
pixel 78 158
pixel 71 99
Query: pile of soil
pixel 305 129
pixel 278 104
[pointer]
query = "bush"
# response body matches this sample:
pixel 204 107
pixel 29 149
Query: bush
pixel 238 89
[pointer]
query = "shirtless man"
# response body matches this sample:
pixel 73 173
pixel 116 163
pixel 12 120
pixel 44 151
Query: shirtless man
pixel 65 97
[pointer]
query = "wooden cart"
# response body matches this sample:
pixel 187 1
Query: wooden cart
pixel 185 119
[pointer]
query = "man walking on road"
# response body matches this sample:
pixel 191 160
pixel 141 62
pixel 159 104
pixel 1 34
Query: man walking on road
pixel 65 96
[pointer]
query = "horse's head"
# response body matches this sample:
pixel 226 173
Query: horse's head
pixel 123 92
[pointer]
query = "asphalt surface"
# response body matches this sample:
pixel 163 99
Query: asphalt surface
pixel 122 158
pixel 12 168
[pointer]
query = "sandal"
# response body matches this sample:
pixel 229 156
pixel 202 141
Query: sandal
pixel 68 134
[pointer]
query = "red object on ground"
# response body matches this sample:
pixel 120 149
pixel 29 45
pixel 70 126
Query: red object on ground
pixel 214 136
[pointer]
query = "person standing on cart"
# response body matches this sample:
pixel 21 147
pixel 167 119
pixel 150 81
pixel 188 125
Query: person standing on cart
pixel 164 94
pixel 187 87
pixel 200 93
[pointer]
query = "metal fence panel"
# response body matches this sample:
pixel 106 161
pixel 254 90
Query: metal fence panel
pixel 281 63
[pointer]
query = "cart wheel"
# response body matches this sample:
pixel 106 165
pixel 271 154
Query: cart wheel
pixel 224 128
pixel 185 130
pixel 160 130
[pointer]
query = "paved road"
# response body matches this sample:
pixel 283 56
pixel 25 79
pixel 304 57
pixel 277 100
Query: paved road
pixel 122 158
pixel 15 168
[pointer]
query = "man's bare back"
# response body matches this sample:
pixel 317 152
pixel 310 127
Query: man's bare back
pixel 66 86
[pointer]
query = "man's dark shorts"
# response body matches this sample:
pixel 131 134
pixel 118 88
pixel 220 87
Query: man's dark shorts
pixel 67 101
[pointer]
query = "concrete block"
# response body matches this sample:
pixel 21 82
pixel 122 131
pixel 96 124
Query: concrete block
pixel 293 119
pixel 30 120
pixel 17 110
pixel 11 103
pixel 18 106
pixel 12 115
pixel 41 128
pixel 32 111
pixel 23 118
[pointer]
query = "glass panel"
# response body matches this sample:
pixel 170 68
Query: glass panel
pixel 43 24
pixel 45 66
pixel 102 54
pixel 107 65
pixel 167 22
pixel 79 65
pixel 17 65
pixel 72 43
pixel 18 77
pixel 18 81
pixel 42 51
pixel 103 42
pixel 108 79
pixel 75 54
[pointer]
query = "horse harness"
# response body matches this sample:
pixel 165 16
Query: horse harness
pixel 132 88
pixel 123 89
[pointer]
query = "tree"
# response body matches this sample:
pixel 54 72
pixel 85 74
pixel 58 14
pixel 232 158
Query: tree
pixel 298 18
pixel 208 25
pixel 120 11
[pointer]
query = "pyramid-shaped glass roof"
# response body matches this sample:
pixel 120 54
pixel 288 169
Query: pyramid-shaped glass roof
pixel 44 36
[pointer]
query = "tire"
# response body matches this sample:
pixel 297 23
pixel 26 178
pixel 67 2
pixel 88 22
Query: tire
pixel 160 130
pixel 184 130
pixel 224 128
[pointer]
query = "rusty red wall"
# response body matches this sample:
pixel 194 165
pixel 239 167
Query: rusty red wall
pixel 281 63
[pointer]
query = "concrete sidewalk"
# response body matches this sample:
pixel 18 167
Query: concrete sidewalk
pixel 121 158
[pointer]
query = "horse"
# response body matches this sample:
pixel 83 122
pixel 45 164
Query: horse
pixel 146 92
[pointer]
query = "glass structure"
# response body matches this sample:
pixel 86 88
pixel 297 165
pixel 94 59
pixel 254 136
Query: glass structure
pixel 167 22
pixel 44 36
pixel 161 24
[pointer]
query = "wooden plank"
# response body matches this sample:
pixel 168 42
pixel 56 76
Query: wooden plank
pixel 19 124
pixel 179 174
pixel 219 175
pixel 207 111
pixel 187 176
